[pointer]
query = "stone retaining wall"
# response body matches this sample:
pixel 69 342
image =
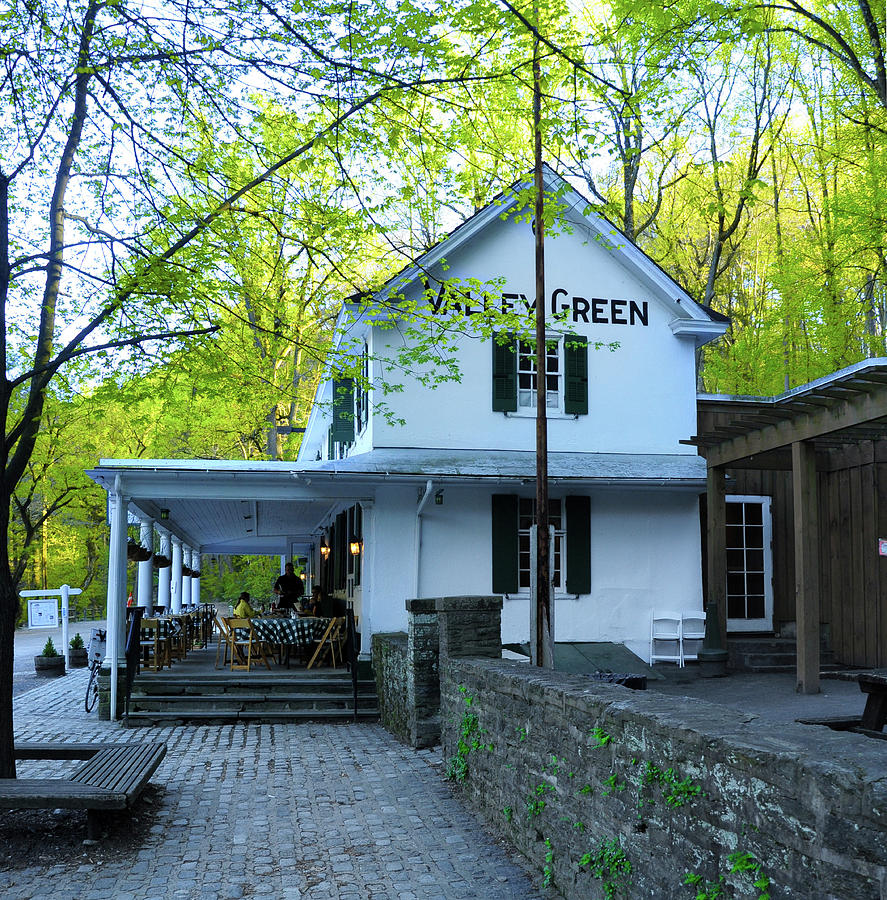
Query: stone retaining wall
pixel 612 792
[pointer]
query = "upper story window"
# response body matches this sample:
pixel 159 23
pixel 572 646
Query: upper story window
pixel 527 394
pixel 566 374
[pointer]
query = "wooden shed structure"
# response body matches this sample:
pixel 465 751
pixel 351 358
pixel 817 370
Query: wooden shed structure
pixel 796 514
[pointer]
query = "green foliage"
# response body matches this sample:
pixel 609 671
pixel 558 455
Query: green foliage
pixel 745 864
pixel 76 642
pixel 677 792
pixel 705 890
pixel 49 649
pixel 469 739
pixel 608 862
pixel 601 738
pixel 547 871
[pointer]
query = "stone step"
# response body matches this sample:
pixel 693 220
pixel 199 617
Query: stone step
pixel 248 701
pixel 189 688
pixel 207 716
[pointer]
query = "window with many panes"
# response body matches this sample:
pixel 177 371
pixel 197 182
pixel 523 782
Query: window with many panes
pixel 526 374
pixel 527 518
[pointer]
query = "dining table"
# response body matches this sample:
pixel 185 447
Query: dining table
pixel 289 633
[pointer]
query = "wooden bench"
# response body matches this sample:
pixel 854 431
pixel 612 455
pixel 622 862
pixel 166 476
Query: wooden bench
pixel 112 776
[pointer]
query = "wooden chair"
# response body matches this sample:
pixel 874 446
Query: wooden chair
pixel 224 640
pixel 241 635
pixel 333 639
pixel 153 645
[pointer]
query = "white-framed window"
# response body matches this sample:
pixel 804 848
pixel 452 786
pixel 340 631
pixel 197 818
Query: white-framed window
pixel 526 374
pixel 527 518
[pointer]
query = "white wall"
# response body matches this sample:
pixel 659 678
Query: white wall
pixel 645 555
pixel 641 396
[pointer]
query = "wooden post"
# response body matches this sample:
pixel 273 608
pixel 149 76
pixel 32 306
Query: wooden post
pixel 543 634
pixel 806 529
pixel 717 545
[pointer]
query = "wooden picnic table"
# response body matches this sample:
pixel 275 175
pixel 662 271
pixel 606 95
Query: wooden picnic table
pixel 874 715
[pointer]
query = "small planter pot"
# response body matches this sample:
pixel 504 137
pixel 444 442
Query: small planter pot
pixel 49 666
pixel 77 657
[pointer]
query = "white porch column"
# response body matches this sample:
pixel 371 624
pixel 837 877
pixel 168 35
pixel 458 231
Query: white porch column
pixel 115 648
pixel 163 597
pixel 195 582
pixel 145 590
pixel 186 579
pixel 366 613
pixel 176 576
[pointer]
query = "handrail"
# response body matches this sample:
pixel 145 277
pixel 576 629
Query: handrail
pixel 133 651
pixel 352 654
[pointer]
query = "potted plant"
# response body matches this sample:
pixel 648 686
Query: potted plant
pixel 49 662
pixel 77 652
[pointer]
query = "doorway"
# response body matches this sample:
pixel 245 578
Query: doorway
pixel 749 564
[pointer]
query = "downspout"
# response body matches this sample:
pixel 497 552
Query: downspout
pixel 429 485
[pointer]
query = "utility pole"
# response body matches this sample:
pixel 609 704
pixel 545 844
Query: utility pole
pixel 543 639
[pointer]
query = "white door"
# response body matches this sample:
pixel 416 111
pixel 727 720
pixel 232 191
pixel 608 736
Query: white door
pixel 749 564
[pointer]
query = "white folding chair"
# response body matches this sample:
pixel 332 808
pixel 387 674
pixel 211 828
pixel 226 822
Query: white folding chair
pixel 665 638
pixel 692 634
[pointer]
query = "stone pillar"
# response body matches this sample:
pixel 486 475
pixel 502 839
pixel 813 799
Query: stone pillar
pixel 469 626
pixel 423 676
pixel 163 575
pixel 145 590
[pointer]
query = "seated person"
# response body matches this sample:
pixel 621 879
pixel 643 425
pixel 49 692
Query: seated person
pixel 243 610
pixel 321 604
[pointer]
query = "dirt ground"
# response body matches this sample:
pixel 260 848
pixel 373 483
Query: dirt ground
pixel 41 838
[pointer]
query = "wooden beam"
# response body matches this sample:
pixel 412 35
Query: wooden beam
pixel 806 527
pixel 717 545
pixel 857 409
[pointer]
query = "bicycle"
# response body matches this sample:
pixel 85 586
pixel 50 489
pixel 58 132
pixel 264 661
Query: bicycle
pixel 95 656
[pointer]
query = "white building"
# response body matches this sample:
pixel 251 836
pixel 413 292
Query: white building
pixel 442 503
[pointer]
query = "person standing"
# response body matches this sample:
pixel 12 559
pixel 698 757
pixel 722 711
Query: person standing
pixel 289 587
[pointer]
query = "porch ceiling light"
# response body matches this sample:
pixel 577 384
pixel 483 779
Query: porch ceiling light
pixel 164 514
pixel 324 549
pixel 355 545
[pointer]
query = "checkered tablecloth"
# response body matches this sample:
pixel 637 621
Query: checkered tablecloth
pixel 300 632
pixel 169 628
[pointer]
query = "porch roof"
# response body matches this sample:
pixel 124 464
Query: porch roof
pixel 842 408
pixel 264 508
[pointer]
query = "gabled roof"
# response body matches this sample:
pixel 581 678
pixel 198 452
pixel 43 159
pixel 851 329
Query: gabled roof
pixel 691 317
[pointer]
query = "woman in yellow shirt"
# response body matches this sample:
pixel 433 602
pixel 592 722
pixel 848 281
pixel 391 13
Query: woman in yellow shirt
pixel 243 610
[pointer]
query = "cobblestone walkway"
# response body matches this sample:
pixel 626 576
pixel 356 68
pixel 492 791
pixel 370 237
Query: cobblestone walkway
pixel 313 811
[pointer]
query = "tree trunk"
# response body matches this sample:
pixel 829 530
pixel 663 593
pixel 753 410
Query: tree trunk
pixel 9 603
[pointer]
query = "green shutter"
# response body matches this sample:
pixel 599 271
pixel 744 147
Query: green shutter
pixel 576 375
pixel 504 374
pixel 505 522
pixel 578 513
pixel 343 410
